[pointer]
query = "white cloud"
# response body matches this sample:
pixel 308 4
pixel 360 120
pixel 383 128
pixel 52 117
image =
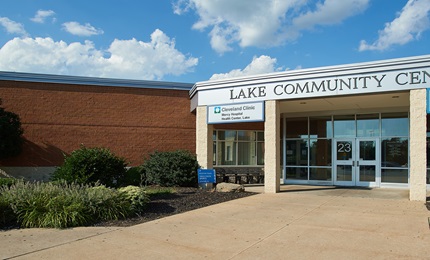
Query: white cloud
pixel 130 59
pixel 78 29
pixel 330 12
pixel 408 26
pixel 264 23
pixel 12 27
pixel 259 65
pixel 41 16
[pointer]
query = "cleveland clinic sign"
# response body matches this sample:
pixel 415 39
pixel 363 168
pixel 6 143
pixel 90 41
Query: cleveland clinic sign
pixel 317 86
pixel 243 112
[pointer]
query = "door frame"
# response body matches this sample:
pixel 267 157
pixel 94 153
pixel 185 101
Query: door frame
pixel 376 162
pixel 355 162
pixel 349 162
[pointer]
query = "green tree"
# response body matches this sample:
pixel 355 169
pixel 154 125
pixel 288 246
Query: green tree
pixel 10 134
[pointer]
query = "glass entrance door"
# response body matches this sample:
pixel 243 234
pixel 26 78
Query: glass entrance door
pixel 356 162
pixel 344 158
pixel 367 162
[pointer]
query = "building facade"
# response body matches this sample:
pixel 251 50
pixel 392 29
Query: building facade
pixel 352 125
pixel 60 113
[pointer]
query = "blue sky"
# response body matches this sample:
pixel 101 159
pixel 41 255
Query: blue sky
pixel 197 40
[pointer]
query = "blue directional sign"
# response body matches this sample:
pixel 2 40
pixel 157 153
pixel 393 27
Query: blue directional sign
pixel 428 101
pixel 206 175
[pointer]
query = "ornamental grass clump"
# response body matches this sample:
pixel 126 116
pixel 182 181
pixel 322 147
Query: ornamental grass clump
pixel 62 205
pixel 47 205
pixel 107 203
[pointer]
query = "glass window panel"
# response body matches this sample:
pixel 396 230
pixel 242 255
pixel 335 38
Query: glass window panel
pixel 344 150
pixel 368 150
pixel 428 151
pixel 367 173
pixel 344 173
pixel 260 136
pixel 227 135
pixel 297 152
pixel 260 153
pixel 320 152
pixel 246 153
pixel 226 153
pixel 394 152
pixel 394 175
pixel 395 124
pixel 214 155
pixel 298 173
pixel 368 125
pixel 320 174
pixel 344 126
pixel 297 127
pixel 246 135
pixel 320 127
pixel 214 136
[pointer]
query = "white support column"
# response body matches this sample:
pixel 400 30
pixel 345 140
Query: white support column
pixel 204 142
pixel 418 158
pixel 272 147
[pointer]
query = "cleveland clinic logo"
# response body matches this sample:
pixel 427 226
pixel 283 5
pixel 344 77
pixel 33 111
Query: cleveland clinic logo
pixel 217 110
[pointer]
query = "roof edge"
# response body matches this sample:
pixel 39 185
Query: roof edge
pixel 94 81
pixel 276 76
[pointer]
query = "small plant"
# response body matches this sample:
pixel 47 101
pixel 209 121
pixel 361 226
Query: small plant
pixel 136 196
pixel 90 166
pixel 178 168
pixel 157 190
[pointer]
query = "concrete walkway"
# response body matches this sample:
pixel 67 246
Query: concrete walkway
pixel 300 223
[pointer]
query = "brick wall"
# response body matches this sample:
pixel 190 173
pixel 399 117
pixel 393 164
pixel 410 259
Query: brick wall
pixel 132 122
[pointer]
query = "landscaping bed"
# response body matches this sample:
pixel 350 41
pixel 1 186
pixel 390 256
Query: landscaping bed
pixel 182 200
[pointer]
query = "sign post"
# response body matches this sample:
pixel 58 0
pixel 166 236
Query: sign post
pixel 206 178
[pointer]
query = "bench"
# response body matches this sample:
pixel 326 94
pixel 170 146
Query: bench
pixel 240 175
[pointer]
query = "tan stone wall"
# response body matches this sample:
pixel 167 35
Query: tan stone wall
pixel 272 156
pixel 204 142
pixel 418 117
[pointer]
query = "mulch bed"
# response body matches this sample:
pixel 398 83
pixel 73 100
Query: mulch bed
pixel 184 199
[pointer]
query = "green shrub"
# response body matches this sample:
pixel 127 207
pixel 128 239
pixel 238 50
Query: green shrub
pixel 61 205
pixel 133 177
pixel 7 181
pixel 90 166
pixel 7 217
pixel 136 196
pixel 178 168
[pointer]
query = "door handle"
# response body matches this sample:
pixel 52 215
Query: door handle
pixel 353 163
pixel 358 164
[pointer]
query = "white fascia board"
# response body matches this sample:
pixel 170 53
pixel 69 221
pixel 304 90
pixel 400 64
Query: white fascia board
pixel 329 71
pixel 215 91
pixel 94 81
